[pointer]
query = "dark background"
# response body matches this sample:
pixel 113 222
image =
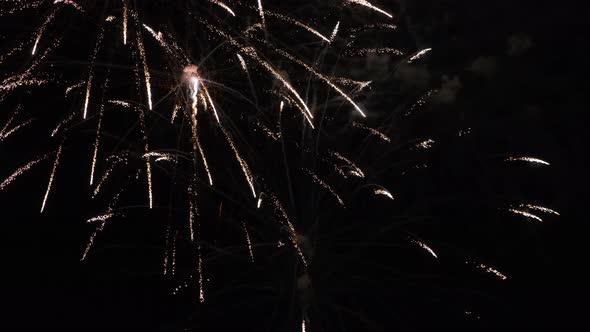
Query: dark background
pixel 364 276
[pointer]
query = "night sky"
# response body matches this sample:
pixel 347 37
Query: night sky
pixel 510 80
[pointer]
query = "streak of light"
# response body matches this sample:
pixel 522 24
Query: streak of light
pixel 419 54
pixel 51 177
pixel 373 131
pixel 248 241
pixel 369 5
pixel 425 247
pixel 526 214
pixel 528 160
pixel 224 6
pixel 20 171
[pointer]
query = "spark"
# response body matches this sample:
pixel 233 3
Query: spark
pixel 146 71
pixel 369 5
pixel 427 144
pixel 280 211
pixel 323 184
pixel 383 192
pixel 300 24
pixel 248 241
pixel 42 30
pixel 96 144
pixel 259 203
pixel 380 50
pixel 102 217
pixel 242 62
pixel 20 171
pixel 91 74
pixel 526 214
pixel 303 325
pixel 148 164
pixel 418 55
pixel 425 247
pixel 4 134
pixel 373 131
pixel 71 3
pixel 73 87
pixel 51 177
pixel 356 169
pixel 224 6
pixel 540 208
pixel 489 269
pixel 335 31
pixel 124 22
pixel 261 12
pixel 528 160
pixel 110 18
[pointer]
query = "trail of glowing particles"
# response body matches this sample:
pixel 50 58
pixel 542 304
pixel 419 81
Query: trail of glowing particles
pixel 360 85
pixel 242 63
pixel 489 269
pixel 425 247
pixel 269 133
pixel 373 131
pixel 369 5
pixel 248 241
pixel 427 144
pixel 148 164
pixel 192 214
pixel 14 50
pixel 9 122
pixel 177 107
pixel 380 50
pixel 356 170
pixel 20 171
pixel 146 71
pixel 120 103
pixel 241 161
pixel 200 270
pixel 335 32
pixel 421 102
pixel 63 123
pixel 383 192
pixel 319 76
pixel 91 74
pixel 259 203
pixel 4 135
pixel 299 24
pixel 124 22
pixel 303 325
pixel 114 161
pixel 526 214
pixel 51 177
pixel 261 12
pixel 224 6
pixel 19 5
pixel 419 54
pixel 102 217
pixel 71 3
pixel 280 211
pixel 528 160
pixel 73 87
pixel 157 35
pixel 323 184
pixel 96 144
pixel 251 52
pixel 539 208
pixel 98 229
pixel 205 164
pixel 42 30
pixel 296 104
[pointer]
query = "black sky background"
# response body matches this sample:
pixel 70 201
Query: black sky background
pixel 530 104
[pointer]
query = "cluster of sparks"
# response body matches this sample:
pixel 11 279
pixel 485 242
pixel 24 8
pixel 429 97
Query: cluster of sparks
pixel 196 98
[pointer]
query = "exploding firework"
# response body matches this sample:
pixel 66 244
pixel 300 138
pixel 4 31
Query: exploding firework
pixel 220 110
